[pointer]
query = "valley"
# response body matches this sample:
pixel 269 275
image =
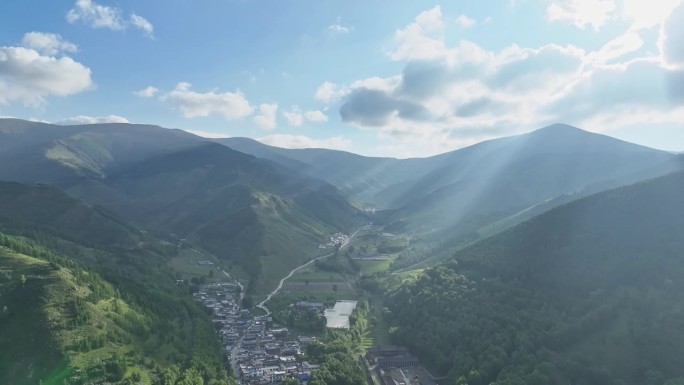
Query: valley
pixel 177 257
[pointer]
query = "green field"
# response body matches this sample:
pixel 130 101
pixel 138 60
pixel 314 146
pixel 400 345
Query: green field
pixel 188 265
pixel 317 276
pixel 370 267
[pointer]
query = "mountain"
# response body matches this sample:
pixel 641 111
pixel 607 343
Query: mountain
pixel 234 205
pixel 250 211
pixel 502 180
pixel 587 293
pixel 60 155
pixel 359 176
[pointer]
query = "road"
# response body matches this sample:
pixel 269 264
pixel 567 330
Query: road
pixel 236 349
pixel 262 304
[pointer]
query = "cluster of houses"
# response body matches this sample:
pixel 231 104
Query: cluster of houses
pixel 394 365
pixel 260 351
pixel 337 239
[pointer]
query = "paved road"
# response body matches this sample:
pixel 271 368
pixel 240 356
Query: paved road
pixel 262 305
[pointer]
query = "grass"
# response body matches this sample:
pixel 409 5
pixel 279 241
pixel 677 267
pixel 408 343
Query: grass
pixel 187 264
pixel 317 276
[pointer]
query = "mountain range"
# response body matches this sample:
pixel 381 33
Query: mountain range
pixel 267 208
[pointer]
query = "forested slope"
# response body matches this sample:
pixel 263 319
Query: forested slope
pixel 588 293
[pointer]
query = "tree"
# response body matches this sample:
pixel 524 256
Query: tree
pixel 289 381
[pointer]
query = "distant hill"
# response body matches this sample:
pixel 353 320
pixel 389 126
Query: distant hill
pixel 254 212
pixel 587 293
pixel 467 191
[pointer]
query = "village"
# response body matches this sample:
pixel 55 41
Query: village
pixel 261 351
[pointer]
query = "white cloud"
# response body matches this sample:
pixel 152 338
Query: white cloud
pixel 294 116
pixel 29 77
pixel 338 28
pixel 330 92
pixel 83 119
pixel 142 24
pixel 646 14
pixel 147 92
pixel 581 13
pixel 450 96
pixel 47 43
pixel 208 134
pixel 96 15
pixel 300 141
pixel 465 22
pixel 230 105
pixel 419 40
pixel 616 48
pixel 315 116
pixel 266 117
pixel 431 19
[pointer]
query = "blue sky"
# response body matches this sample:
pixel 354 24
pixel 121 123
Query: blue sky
pixel 400 78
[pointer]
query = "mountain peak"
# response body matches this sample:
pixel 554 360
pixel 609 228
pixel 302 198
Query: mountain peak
pixel 559 128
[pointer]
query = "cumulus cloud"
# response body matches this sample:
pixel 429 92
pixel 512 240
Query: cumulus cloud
pixel 147 92
pixel 337 28
pixel 300 141
pixel 670 39
pixel 295 117
pixel 451 95
pixel 83 119
pixel 29 77
pixel 329 92
pixel 315 116
pixel 418 40
pixel 465 22
pixel 47 43
pixel 646 14
pixel 96 15
pixel 230 105
pixel 581 13
pixel 266 117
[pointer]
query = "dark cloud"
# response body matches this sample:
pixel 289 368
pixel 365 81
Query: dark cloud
pixel 424 79
pixel 374 108
pixel 673 46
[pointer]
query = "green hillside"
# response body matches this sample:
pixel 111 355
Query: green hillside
pixel 587 293
pixel 48 209
pixel 62 323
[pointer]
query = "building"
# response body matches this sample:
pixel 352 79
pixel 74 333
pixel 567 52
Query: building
pixel 390 356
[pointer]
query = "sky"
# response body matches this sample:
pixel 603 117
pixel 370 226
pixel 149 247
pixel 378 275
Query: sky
pixel 384 78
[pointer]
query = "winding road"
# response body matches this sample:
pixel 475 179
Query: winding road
pixel 262 304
